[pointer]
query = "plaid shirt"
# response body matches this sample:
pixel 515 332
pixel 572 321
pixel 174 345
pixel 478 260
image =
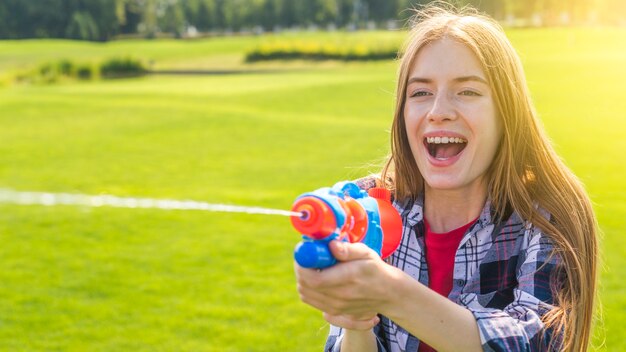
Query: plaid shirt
pixel 501 274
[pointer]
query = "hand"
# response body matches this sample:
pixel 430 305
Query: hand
pixel 353 291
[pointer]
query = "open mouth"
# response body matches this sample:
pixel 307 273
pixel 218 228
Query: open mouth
pixel 443 148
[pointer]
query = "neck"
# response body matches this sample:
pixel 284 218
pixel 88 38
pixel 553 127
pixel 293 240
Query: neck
pixel 447 210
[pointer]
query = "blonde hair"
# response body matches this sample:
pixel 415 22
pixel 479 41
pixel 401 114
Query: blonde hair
pixel 526 172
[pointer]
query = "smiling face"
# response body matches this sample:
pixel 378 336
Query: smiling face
pixel 450 117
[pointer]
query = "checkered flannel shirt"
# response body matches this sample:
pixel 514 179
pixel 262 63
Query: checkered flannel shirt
pixel 502 274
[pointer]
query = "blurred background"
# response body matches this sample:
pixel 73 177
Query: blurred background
pixel 103 20
pixel 245 102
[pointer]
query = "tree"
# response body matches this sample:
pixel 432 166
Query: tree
pixel 173 20
pixel 103 19
pixel 269 15
pixel 190 11
pixel 149 19
pixel 129 17
pixel 344 12
pixel 234 12
pixel 287 13
pixel 382 10
pixel 219 15
pixel 205 17
pixel 82 26
pixel 327 11
pixel 104 15
pixel 5 28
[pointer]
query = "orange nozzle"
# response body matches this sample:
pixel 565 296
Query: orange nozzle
pixel 318 220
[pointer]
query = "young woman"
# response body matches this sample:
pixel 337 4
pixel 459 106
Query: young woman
pixel 499 238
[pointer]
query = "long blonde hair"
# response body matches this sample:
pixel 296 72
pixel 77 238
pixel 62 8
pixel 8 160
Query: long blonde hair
pixel 526 173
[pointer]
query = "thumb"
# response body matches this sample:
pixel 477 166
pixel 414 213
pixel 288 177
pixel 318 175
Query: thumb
pixel 346 251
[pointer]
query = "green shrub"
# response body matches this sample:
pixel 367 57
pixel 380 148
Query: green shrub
pixel 65 68
pixel 47 73
pixel 283 50
pixel 53 72
pixel 50 72
pixel 86 72
pixel 122 67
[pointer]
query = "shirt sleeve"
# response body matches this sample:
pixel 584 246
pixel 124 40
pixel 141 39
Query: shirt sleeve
pixel 518 326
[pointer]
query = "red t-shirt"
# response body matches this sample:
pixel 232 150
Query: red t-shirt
pixel 440 251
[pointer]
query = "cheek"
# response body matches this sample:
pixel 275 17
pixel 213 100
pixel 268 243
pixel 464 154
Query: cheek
pixel 491 136
pixel 411 130
pixel 495 130
pixel 486 123
pixel 411 120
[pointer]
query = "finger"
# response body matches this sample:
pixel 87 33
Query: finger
pixel 351 323
pixel 319 302
pixel 345 251
pixel 358 310
pixel 311 278
pixel 322 280
pixel 328 303
pixel 313 288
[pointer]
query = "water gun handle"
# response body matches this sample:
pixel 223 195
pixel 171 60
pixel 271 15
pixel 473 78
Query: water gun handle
pixel 314 254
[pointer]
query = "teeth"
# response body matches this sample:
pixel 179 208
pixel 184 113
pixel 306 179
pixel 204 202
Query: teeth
pixel 444 140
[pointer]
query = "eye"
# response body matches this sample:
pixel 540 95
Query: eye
pixel 420 93
pixel 470 93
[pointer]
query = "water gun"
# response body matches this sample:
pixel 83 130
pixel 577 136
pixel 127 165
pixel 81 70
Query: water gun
pixel 344 212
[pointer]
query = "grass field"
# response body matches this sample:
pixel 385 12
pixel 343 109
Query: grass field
pixel 76 279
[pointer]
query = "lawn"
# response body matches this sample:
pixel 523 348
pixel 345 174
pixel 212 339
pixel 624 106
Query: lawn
pixel 116 279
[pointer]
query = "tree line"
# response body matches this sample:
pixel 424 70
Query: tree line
pixel 102 20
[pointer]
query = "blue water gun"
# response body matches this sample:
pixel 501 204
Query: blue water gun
pixel 344 212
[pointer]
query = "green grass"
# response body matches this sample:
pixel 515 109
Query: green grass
pixel 114 279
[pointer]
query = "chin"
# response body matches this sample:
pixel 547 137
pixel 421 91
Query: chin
pixel 440 184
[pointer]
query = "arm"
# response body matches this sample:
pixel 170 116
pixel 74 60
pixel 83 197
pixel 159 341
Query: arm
pixel 341 339
pixel 436 320
pixel 359 340
pixel 352 292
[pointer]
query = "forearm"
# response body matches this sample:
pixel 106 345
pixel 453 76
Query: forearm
pixel 358 340
pixel 431 317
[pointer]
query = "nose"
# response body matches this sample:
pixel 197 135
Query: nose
pixel 442 109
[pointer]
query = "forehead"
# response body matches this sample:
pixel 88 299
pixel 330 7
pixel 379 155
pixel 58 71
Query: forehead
pixel 446 58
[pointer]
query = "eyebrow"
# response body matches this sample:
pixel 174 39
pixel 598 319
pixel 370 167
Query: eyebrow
pixel 458 79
